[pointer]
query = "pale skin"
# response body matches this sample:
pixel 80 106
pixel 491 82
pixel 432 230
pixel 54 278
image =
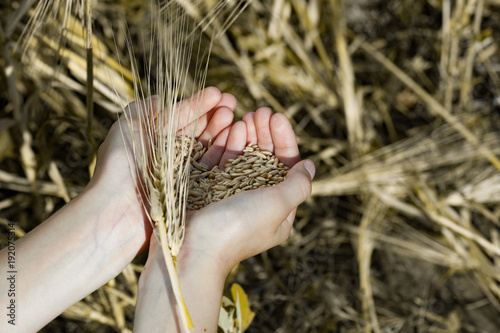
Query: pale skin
pixel 91 239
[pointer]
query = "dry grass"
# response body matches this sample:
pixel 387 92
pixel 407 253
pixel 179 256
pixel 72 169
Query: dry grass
pixel 397 103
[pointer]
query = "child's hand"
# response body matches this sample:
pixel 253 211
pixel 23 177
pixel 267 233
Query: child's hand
pixel 248 223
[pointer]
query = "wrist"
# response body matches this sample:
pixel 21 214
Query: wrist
pixel 122 225
pixel 202 283
pixel 198 264
pixel 71 254
pixel 201 251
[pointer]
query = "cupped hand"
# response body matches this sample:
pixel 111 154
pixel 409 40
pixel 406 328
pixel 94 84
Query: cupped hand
pixel 115 174
pixel 224 233
pixel 248 223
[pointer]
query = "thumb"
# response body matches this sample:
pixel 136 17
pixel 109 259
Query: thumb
pixel 294 190
pixel 297 185
pixel 257 220
pixel 271 206
pixel 266 208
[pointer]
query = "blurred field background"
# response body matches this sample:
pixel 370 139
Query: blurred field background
pixel 397 102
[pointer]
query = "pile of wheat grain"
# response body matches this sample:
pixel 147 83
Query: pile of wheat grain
pixel 252 170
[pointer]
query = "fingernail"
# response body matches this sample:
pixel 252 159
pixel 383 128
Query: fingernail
pixel 155 101
pixel 309 165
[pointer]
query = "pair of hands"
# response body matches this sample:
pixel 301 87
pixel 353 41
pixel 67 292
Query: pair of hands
pixel 243 225
pixel 91 239
pixel 222 234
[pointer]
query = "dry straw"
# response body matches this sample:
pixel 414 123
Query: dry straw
pixel 405 212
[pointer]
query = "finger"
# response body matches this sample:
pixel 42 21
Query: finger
pixel 221 119
pixel 283 231
pixel 209 125
pixel 262 126
pixel 197 106
pixel 284 141
pixel 272 205
pixel 141 109
pixel 196 129
pixel 289 195
pixel 138 117
pixel 228 101
pixel 235 144
pixel 213 155
pixel 286 196
pixel 249 120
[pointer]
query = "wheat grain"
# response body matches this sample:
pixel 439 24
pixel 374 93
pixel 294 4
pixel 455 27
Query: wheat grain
pixel 252 170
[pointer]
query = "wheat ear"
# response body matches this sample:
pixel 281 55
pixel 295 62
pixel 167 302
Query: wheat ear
pixel 179 65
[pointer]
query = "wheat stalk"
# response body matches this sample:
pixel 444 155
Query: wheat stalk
pixel 161 160
pixel 45 10
pixel 90 68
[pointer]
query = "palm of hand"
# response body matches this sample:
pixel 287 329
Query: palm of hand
pixel 248 223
